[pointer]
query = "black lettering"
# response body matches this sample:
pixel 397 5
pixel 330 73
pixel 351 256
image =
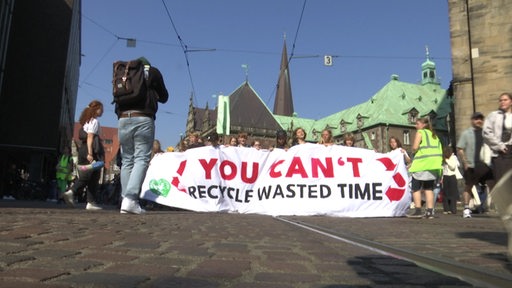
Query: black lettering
pixel 192 191
pixel 360 194
pixel 248 196
pixel 301 187
pixel 222 190
pixel 264 192
pixel 325 191
pixel 377 193
pixel 342 189
pixel 278 192
pixel 312 191
pixel 291 193
pixel 230 189
pixel 237 196
pixel 201 189
pixel 210 194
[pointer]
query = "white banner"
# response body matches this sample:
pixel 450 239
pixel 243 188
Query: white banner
pixel 308 179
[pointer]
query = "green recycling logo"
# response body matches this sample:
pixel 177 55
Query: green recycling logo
pixel 160 187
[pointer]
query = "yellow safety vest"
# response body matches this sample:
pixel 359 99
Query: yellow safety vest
pixel 429 155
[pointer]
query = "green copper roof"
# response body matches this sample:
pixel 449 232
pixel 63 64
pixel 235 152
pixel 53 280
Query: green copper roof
pixel 393 104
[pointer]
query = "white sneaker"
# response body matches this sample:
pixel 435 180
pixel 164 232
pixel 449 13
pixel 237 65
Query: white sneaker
pixel 68 198
pixel 466 213
pixel 131 206
pixel 92 206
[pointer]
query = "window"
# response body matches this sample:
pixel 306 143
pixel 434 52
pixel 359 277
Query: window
pixel 360 121
pixel 343 126
pixel 413 116
pixel 407 138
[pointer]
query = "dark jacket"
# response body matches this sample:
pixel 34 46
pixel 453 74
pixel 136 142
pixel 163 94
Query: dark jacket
pixel 156 93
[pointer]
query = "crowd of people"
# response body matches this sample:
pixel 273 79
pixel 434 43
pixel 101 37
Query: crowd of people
pixel 480 158
pixel 483 153
pixel 282 141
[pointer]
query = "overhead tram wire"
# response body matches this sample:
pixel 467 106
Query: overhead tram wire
pixel 101 59
pixel 185 51
pixel 297 32
pixel 117 38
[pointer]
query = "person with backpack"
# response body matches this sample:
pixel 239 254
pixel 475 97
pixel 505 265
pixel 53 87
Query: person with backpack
pixel 136 104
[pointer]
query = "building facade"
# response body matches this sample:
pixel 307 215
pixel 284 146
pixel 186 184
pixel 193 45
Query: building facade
pixel 392 111
pixel 481 47
pixel 40 60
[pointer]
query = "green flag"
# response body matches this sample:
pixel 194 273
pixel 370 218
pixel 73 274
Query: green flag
pixel 223 121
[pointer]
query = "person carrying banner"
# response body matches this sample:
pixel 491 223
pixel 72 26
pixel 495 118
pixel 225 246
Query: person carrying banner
pixel 426 167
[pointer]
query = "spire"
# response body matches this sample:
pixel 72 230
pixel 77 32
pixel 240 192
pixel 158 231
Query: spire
pixel 283 103
pixel 428 70
pixel 191 115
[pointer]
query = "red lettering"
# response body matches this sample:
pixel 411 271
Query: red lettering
pixel 327 170
pixel 232 172
pixel 296 167
pixel 254 176
pixel 355 165
pixel 273 172
pixel 208 166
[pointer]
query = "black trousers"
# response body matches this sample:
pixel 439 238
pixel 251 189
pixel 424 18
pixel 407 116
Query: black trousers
pixel 89 179
pixel 502 164
pixel 450 194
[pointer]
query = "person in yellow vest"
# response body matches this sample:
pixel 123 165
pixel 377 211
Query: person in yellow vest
pixel 64 171
pixel 426 167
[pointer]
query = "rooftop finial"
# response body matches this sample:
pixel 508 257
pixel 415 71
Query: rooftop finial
pixel 246 68
pixel 428 54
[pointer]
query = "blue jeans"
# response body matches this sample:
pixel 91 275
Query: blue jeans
pixel 136 135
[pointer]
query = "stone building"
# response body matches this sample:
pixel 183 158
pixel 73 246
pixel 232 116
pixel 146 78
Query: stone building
pixel 481 56
pixel 392 111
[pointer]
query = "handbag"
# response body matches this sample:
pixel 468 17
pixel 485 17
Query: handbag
pixel 486 154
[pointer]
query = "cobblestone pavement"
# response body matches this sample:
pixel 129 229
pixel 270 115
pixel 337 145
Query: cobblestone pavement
pixel 48 245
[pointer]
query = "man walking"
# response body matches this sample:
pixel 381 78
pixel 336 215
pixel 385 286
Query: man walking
pixel 468 148
pixel 136 135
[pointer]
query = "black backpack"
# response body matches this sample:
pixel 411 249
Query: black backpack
pixel 129 82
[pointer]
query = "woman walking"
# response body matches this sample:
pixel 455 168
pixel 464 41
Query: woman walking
pixel 426 167
pixel 89 152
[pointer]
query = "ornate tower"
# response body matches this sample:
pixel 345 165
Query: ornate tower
pixel 428 71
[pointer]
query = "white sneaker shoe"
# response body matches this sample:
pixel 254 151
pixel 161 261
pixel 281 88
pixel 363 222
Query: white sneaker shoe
pixel 92 206
pixel 466 213
pixel 68 198
pixel 131 206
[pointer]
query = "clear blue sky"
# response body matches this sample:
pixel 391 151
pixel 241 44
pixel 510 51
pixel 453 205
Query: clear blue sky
pixel 370 39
